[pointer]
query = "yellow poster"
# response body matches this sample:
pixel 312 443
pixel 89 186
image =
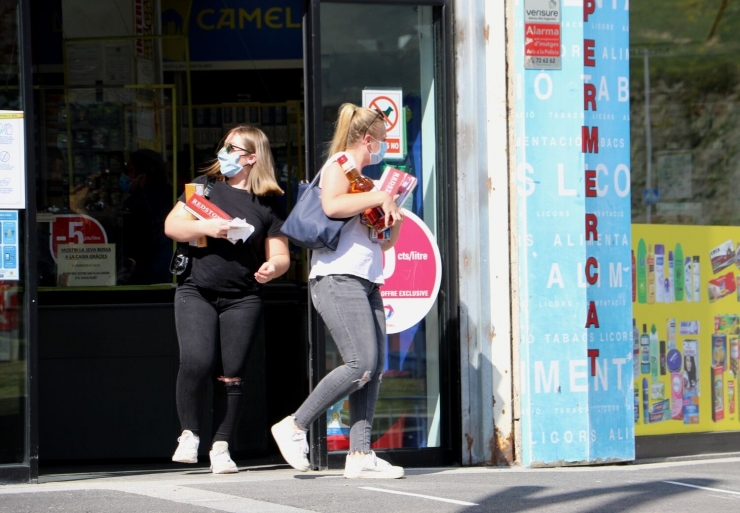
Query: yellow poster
pixel 686 328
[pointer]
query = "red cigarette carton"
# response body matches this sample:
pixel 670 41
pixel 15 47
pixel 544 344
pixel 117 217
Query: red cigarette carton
pixel 203 208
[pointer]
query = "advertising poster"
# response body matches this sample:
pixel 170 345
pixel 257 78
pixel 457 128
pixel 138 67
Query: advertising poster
pixel 686 328
pixel 573 222
pixel 9 244
pixel 12 160
pixel 413 272
pixel 232 32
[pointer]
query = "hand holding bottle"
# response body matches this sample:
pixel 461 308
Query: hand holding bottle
pixel 392 212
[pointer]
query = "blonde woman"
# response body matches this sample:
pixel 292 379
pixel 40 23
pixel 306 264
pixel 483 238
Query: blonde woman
pixel 344 287
pixel 218 307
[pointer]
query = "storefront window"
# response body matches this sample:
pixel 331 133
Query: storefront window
pixel 13 343
pixel 105 186
pixel 685 119
pixel 391 49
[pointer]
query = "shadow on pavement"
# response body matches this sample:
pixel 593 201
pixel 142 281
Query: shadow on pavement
pixel 628 497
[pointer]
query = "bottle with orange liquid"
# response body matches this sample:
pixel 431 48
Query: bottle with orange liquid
pixel 360 183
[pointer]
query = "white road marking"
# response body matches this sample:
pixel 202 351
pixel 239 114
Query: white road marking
pixel 701 487
pixel 441 499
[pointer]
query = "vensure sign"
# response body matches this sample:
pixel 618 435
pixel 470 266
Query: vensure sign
pixel 542 34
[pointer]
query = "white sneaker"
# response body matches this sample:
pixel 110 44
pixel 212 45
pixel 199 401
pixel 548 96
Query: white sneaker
pixel 221 462
pixel 371 467
pixel 187 451
pixel 292 443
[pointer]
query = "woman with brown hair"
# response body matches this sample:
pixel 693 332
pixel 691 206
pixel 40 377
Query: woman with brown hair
pixel 345 289
pixel 218 308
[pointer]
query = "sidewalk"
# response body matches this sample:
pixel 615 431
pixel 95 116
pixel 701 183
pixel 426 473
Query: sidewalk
pixel 676 486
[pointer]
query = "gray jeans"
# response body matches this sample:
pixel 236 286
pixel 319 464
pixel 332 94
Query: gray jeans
pixel 352 310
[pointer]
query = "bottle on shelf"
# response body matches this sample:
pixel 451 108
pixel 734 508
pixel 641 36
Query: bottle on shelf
pixel 360 183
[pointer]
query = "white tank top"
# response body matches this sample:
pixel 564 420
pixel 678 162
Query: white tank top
pixel 356 254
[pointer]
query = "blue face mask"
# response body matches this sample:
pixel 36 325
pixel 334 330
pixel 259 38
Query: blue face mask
pixel 377 158
pixel 124 183
pixel 229 163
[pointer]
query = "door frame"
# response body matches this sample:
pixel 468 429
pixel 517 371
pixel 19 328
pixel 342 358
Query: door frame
pixel 28 470
pixel 450 450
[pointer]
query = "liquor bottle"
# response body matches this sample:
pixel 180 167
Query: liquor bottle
pixel 361 183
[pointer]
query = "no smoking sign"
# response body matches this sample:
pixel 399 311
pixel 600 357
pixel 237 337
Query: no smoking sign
pixel 388 102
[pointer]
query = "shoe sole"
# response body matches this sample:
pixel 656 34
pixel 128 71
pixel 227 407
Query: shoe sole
pixel 185 460
pixel 376 475
pixel 274 430
pixel 229 470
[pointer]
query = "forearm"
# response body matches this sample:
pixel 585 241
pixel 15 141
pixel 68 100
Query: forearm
pixel 183 230
pixel 281 263
pixel 348 205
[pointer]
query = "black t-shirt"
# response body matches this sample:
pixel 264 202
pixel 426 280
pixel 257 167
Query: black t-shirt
pixel 228 267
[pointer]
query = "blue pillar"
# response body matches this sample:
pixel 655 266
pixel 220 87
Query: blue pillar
pixel 573 223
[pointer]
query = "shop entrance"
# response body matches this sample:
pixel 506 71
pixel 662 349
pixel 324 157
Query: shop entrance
pixel 123 89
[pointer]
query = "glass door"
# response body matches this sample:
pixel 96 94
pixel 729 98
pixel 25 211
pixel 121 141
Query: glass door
pixel 391 56
pixel 18 448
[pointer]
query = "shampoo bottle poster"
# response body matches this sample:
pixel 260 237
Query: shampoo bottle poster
pixel 686 310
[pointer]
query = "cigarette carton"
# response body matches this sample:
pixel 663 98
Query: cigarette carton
pixel 203 208
pixel 190 189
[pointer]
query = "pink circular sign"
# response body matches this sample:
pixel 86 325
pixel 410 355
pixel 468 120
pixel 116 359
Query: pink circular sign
pixel 413 271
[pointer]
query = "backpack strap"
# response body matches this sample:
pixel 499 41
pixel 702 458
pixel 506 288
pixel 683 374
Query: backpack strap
pixel 209 186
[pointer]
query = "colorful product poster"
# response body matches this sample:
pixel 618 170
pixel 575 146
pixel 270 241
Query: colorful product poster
pixel 696 318
pixel 9 265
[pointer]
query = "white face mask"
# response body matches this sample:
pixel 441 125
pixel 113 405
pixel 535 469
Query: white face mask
pixel 229 163
pixel 377 158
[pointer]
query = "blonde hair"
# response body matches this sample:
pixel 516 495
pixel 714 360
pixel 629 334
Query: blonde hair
pixel 352 125
pixel 261 181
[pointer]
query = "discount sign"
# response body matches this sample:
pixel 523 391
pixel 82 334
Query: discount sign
pixel 413 271
pixel 75 229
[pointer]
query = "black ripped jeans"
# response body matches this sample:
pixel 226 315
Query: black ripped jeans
pixel 212 325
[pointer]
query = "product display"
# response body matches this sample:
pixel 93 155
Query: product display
pixel 687 337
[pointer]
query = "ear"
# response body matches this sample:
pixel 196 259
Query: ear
pixel 251 159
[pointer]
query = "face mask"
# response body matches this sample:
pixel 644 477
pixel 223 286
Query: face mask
pixel 377 158
pixel 229 163
pixel 124 183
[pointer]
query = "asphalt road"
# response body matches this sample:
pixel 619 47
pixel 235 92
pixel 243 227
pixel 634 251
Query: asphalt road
pixel 700 485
